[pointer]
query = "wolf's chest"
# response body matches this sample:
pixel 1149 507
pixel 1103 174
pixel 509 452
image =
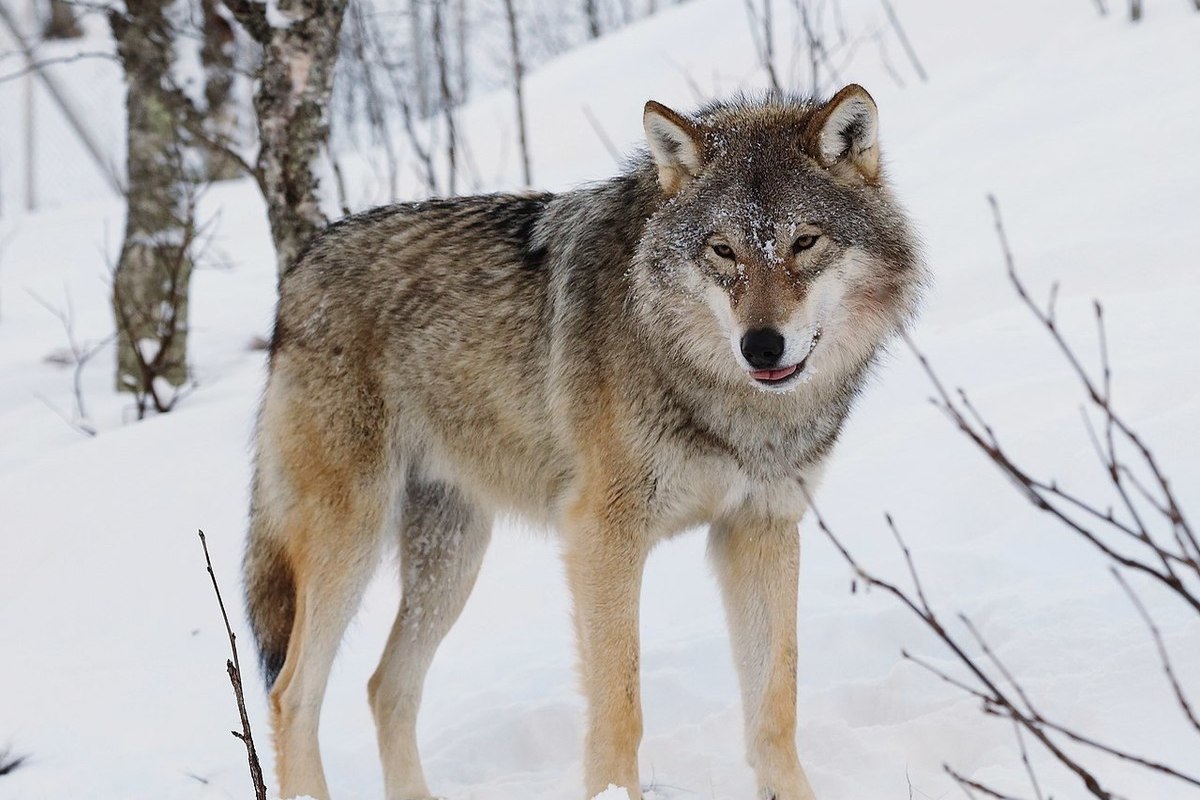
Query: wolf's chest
pixel 699 485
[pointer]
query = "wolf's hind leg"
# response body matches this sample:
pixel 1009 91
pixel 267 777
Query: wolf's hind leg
pixel 322 495
pixel 443 539
pixel 758 563
pixel 333 552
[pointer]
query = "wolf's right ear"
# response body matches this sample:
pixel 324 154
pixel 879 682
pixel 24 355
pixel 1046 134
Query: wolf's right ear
pixel 675 144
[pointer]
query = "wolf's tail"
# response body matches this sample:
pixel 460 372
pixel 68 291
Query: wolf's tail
pixel 270 595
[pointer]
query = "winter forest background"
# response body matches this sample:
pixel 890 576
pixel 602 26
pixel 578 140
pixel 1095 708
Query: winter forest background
pixel 1025 623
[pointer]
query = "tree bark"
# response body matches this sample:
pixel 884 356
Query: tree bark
pixel 61 22
pixel 292 106
pixel 217 57
pixel 151 280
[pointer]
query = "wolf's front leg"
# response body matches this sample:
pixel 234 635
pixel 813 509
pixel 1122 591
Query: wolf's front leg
pixel 758 563
pixel 605 551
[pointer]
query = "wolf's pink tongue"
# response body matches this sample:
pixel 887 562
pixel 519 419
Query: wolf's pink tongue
pixel 772 374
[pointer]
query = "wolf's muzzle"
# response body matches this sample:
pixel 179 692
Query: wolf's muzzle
pixel 763 347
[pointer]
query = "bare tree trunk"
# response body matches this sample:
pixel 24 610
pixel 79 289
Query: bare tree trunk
pixel 518 79
pixel 447 95
pixel 151 279
pixel 460 9
pixel 292 105
pixel 61 22
pixel 217 56
pixel 1135 10
pixel 420 63
pixel 591 12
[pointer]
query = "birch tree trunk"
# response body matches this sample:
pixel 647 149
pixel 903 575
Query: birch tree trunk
pixel 292 106
pixel 217 55
pixel 151 280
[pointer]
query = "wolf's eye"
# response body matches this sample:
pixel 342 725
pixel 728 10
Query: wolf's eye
pixel 724 251
pixel 805 242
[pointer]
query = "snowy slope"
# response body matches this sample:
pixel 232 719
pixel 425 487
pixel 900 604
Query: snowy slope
pixel 111 648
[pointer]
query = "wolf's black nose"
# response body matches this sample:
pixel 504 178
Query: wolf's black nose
pixel 762 347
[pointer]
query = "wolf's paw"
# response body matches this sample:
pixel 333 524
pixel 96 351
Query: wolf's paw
pixel 798 790
pixel 798 793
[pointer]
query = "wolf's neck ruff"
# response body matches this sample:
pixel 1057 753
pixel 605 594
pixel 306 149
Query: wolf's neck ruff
pixel 677 346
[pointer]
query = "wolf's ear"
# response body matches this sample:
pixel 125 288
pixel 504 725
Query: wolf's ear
pixel 675 145
pixel 845 131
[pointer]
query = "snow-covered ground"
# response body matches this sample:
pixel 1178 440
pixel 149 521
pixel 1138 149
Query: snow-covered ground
pixel 111 647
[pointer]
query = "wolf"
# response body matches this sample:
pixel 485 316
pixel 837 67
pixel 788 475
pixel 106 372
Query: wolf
pixel 674 347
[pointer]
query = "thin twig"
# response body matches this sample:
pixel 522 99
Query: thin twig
pixel 1163 657
pixel 604 140
pixel 989 680
pixel 11 763
pixel 81 354
pixel 1037 789
pixel 49 62
pixel 967 785
pixel 903 37
pixel 233 667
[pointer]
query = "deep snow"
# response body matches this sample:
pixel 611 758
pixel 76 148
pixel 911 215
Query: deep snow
pixel 111 647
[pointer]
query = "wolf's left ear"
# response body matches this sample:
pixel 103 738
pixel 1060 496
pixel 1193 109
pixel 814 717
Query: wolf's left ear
pixel 675 144
pixel 845 131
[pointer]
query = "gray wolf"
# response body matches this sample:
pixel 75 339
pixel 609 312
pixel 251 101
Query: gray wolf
pixel 677 346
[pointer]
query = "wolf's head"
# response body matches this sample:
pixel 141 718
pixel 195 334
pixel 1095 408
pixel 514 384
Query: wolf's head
pixel 778 253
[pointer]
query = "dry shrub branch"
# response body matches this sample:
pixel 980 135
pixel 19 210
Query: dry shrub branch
pixel 234 668
pixel 1140 527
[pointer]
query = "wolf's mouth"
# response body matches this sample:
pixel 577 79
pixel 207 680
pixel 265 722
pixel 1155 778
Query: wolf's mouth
pixel 774 377
pixel 784 375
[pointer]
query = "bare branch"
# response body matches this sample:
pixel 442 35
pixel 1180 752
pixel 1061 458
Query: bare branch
pixel 1037 789
pixel 602 135
pixel 49 62
pixel 80 354
pixel 234 668
pixel 10 763
pixel 1163 657
pixel 1166 559
pixel 762 30
pixel 903 37
pixel 967 785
